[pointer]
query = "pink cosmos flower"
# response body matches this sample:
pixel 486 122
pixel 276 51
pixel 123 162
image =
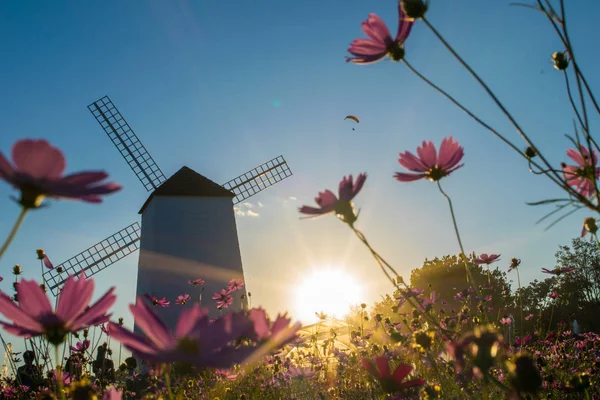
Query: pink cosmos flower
pixel 38 173
pixel 527 318
pixel 380 42
pixel 235 284
pixel 558 270
pixel 486 259
pixel 81 347
pixel 553 295
pixel 379 368
pixel 582 176
pixel 279 331
pixel 506 321
pixel 429 164
pixel 183 299
pixel 196 339
pixel 34 315
pixel 348 189
pixel 196 282
pixel 224 299
pixel 156 301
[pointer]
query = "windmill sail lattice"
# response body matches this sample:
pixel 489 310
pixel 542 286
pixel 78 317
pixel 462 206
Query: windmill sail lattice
pixel 97 258
pixel 258 179
pixel 128 144
pixel 126 241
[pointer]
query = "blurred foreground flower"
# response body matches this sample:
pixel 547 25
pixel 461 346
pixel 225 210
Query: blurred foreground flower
pixel 379 368
pixel 481 345
pixel 196 339
pixel 38 173
pixel 34 315
pixel 348 189
pixel 429 164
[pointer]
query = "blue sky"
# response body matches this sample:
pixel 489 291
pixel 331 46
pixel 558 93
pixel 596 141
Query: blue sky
pixel 224 86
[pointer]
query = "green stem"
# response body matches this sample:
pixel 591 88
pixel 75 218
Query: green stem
pixel 520 303
pixel 462 249
pixel 14 230
pixel 59 379
pixel 168 384
pixel 551 315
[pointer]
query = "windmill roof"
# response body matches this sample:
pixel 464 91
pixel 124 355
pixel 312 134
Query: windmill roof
pixel 188 183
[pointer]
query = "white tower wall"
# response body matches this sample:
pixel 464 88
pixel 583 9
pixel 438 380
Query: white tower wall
pixel 185 238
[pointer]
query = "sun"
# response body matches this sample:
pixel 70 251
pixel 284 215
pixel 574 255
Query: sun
pixel 328 290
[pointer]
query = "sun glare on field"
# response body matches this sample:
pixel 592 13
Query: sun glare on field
pixel 331 291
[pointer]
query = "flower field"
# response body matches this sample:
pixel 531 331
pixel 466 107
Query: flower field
pixel 456 328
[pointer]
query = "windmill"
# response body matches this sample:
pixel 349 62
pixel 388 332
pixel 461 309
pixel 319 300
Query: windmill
pixel 188 228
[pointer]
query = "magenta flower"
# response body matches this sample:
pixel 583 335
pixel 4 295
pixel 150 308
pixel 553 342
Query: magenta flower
pixel 327 201
pixel 196 339
pixel 558 270
pixel 34 315
pixel 506 321
pixel 224 299
pixel 553 295
pixel 196 282
pixel 279 331
pixel 81 347
pixel 38 173
pixel 183 299
pixel 235 284
pixel 429 164
pixel 156 301
pixel 486 259
pixel 527 318
pixel 583 175
pixel 394 382
pixel 380 42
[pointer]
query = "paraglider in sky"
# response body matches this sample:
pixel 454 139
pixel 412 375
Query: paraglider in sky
pixel 352 117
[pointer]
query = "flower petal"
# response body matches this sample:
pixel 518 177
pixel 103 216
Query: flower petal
pixel 401 372
pixel 375 28
pixel 34 301
pixel 404 25
pixel 402 177
pixel 6 170
pixel 152 326
pixel 38 159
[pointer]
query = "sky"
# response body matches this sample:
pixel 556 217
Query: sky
pixel 224 86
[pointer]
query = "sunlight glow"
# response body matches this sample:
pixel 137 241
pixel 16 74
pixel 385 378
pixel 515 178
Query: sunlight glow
pixel 331 291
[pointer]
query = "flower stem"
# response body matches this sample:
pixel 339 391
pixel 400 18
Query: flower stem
pixel 168 384
pixel 484 85
pixel 463 255
pixel 59 379
pixel 520 302
pixel 14 230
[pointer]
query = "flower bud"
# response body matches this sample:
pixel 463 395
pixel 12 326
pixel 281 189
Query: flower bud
pixel 40 254
pixel 561 61
pixel 414 9
pixel 17 270
pixel 530 152
pixel 591 225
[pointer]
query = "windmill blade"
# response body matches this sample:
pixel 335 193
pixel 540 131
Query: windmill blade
pixel 96 258
pixel 258 179
pixel 128 144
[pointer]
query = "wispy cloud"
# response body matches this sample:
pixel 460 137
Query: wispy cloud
pixel 292 198
pixel 260 204
pixel 244 210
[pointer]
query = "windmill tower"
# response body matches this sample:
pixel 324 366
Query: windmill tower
pixel 188 224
